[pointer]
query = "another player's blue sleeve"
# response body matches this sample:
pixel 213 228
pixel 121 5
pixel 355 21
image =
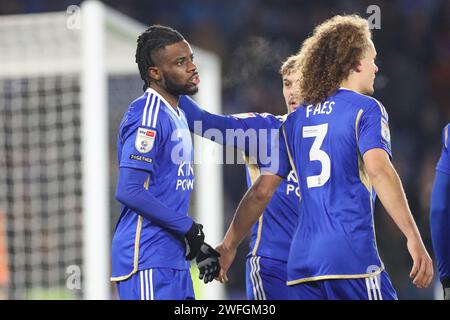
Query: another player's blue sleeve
pixel 440 222
pixel 243 131
pixel 200 120
pixel 132 194
pixel 440 211
pixel 280 157
pixel 373 129
pixel 443 164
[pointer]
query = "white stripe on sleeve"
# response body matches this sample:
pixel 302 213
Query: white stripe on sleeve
pixel 144 115
pixel 156 114
pixel 150 113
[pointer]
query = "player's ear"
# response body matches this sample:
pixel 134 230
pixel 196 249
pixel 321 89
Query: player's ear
pixel 358 67
pixel 154 73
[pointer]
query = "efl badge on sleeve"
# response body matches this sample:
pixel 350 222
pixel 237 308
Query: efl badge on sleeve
pixel 145 139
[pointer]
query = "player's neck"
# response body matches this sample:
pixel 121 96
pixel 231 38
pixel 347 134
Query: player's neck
pixel 350 84
pixel 170 98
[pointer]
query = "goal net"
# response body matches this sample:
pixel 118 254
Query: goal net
pixel 66 78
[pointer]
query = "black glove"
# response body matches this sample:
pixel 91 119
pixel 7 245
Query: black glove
pixel 194 239
pixel 208 263
pixel 446 287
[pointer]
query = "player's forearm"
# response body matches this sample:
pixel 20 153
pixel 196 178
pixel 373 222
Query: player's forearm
pixel 440 221
pixel 132 194
pixel 247 213
pixel 389 189
pixel 250 209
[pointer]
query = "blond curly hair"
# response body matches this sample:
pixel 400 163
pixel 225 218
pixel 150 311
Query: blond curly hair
pixel 289 65
pixel 328 56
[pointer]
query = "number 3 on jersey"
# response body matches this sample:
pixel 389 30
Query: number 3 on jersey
pixel 315 154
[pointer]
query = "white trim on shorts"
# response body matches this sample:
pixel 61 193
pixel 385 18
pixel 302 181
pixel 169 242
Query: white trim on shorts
pixel 146 284
pixel 373 288
pixel 256 280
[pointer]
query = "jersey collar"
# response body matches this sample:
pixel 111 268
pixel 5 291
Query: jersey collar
pixel 153 91
pixel 343 88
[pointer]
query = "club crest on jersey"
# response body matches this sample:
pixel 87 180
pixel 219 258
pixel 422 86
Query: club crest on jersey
pixel 145 139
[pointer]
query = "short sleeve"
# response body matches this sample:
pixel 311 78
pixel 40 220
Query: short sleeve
pixel 140 148
pixel 373 129
pixel 279 163
pixel 443 164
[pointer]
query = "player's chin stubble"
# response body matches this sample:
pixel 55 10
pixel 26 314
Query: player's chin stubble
pixel 177 89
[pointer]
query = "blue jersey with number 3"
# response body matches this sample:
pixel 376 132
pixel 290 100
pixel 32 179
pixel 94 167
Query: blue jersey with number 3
pixel 335 237
pixel 444 161
pixel 440 209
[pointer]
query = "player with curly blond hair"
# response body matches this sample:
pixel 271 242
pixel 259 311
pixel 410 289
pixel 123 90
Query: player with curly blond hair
pixel 339 144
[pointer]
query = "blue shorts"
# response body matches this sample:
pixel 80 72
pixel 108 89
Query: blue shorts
pixel 157 284
pixel 266 279
pixel 373 288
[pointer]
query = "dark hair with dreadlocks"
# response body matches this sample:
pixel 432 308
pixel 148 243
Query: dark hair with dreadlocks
pixel 151 40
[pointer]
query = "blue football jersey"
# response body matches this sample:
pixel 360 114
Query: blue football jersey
pixel 253 133
pixel 272 235
pixel 335 238
pixel 153 137
pixel 444 161
pixel 440 210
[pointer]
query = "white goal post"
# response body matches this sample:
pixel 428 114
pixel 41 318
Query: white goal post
pixel 63 89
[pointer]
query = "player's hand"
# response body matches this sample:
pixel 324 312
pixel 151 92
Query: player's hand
pixel 194 239
pixel 208 263
pixel 422 270
pixel 227 256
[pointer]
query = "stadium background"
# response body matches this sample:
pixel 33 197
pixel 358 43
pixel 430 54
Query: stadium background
pixel 253 37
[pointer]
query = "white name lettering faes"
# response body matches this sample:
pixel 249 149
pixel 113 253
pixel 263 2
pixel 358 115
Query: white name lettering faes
pixel 320 108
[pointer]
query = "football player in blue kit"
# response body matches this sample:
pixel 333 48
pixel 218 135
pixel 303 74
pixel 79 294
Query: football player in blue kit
pixel 339 145
pixel 155 238
pixel 272 234
pixel 440 214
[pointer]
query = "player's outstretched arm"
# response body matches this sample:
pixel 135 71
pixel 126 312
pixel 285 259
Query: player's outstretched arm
pixel 232 128
pixel 249 210
pixel 389 189
pixel 200 120
pixel 440 232
pixel 132 193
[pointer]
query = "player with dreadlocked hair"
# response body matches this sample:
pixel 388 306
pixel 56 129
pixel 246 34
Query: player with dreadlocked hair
pixel 153 39
pixel 155 237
